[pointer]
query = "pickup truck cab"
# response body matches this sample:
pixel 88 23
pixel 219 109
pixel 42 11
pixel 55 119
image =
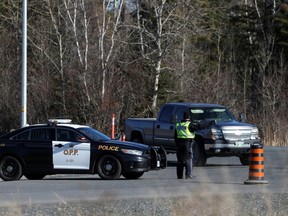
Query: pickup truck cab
pixel 222 135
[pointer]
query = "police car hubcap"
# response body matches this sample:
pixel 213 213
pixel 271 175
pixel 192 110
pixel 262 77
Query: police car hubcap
pixel 108 167
pixel 9 169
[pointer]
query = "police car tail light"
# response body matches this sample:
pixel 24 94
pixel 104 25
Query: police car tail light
pixel 132 152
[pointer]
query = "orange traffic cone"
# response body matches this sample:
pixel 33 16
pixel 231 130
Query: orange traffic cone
pixel 256 165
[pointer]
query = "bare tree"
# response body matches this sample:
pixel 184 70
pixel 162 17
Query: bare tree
pixel 74 9
pixel 108 25
pixel 56 21
pixel 156 37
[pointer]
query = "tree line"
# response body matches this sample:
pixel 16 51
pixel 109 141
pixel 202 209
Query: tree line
pixel 88 59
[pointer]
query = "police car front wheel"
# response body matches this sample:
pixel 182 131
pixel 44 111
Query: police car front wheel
pixel 10 169
pixel 133 175
pixel 34 176
pixel 109 167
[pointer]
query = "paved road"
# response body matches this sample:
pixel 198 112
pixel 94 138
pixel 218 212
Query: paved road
pixel 220 176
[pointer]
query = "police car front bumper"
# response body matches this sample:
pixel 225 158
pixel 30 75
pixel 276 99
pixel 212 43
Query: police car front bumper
pixel 136 164
pixel 154 159
pixel 158 158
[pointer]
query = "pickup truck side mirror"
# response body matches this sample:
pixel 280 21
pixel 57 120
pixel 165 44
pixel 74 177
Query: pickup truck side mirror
pixel 242 117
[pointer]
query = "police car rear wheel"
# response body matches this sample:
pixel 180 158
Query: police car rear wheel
pixel 10 169
pixel 109 167
pixel 34 176
pixel 133 175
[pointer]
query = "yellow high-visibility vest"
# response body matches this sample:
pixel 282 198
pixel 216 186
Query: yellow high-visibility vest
pixel 183 131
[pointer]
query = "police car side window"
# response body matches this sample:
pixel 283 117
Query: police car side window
pixel 67 135
pixel 45 134
pixel 22 136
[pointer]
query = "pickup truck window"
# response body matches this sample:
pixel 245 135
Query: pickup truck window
pixel 166 114
pixel 179 113
pixel 200 114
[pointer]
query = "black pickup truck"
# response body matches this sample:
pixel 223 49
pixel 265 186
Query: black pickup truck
pixel 223 136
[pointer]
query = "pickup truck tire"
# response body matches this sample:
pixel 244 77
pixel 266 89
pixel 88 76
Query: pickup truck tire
pixel 133 175
pixel 244 159
pixel 199 155
pixel 137 140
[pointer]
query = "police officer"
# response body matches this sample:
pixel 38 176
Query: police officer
pixel 184 140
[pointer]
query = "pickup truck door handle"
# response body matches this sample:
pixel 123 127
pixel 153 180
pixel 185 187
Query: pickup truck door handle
pixel 59 145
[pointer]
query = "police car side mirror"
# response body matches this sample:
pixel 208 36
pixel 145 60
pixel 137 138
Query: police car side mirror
pixel 82 139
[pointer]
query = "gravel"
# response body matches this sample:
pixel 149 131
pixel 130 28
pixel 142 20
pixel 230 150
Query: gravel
pixel 232 205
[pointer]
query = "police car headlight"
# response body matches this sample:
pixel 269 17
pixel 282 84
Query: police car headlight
pixel 131 151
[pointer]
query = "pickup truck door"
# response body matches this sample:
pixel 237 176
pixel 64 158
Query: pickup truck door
pixel 164 129
pixel 164 134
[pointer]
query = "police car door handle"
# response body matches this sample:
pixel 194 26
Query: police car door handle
pixel 59 145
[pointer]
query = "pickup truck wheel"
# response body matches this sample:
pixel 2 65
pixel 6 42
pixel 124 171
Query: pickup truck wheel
pixel 199 156
pixel 137 140
pixel 244 159
pixel 133 175
pixel 109 167
pixel 10 169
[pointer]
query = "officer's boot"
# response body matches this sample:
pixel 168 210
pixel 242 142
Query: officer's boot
pixel 189 168
pixel 180 169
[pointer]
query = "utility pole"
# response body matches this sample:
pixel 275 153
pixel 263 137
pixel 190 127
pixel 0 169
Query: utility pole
pixel 24 65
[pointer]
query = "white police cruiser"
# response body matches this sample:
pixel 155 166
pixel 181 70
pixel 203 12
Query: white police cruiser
pixel 60 147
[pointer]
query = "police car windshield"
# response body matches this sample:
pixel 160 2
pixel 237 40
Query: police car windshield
pixel 94 134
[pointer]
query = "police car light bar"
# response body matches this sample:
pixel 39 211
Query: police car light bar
pixel 60 121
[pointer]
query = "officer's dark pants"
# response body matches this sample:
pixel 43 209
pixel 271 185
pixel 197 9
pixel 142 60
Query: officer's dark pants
pixel 184 157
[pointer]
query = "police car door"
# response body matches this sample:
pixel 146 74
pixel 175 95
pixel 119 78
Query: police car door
pixel 69 152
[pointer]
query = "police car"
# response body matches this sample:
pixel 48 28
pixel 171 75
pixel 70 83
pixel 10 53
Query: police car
pixel 60 147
